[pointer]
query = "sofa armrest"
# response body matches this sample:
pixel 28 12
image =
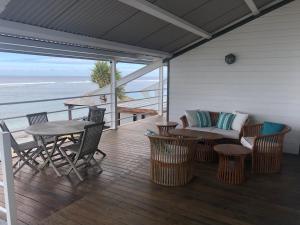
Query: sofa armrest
pixel 251 130
pixel 184 121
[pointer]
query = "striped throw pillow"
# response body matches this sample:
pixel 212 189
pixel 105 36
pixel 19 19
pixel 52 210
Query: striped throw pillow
pixel 225 121
pixel 204 119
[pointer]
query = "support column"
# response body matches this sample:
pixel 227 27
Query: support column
pixel 161 91
pixel 70 107
pixel 113 96
pixel 8 180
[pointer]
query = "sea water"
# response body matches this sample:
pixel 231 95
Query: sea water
pixel 26 88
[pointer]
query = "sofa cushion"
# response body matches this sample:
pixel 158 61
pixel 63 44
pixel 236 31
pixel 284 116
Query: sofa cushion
pixel 204 119
pixel 248 142
pixel 231 134
pixel 206 129
pixel 271 128
pixel 192 117
pixel 239 121
pixel 225 121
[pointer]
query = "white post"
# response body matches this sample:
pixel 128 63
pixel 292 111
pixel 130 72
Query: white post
pixel 113 96
pixel 8 179
pixel 161 91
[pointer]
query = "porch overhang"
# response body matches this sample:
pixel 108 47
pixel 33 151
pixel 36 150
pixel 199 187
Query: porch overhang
pixel 131 31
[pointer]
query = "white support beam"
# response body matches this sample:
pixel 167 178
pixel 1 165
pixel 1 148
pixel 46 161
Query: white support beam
pixel 251 4
pixel 8 179
pixel 140 72
pixel 162 14
pixel 161 91
pixel 3 5
pixel 17 45
pixel 113 96
pixel 134 75
pixel 25 30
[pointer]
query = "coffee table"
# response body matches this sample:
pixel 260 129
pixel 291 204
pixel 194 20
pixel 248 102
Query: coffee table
pixel 207 140
pixel 231 163
pixel 165 127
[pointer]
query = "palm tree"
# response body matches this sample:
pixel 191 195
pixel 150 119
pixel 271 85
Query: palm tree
pixel 101 75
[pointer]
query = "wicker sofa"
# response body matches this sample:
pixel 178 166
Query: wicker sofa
pixel 230 136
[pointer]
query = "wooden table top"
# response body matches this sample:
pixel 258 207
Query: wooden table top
pixel 196 134
pixel 165 123
pixel 57 128
pixel 231 149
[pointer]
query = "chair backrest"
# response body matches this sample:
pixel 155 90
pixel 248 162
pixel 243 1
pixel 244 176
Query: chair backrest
pixel 37 118
pixel 91 138
pixel 96 114
pixel 14 144
pixel 172 149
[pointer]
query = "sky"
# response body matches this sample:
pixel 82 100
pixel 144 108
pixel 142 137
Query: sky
pixel 12 64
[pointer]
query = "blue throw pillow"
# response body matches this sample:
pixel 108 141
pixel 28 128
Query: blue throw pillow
pixel 225 121
pixel 204 119
pixel 271 128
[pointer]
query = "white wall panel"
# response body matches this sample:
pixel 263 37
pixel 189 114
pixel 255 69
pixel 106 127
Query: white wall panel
pixel 265 80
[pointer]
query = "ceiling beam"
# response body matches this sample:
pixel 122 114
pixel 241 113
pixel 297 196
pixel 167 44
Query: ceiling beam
pixel 3 5
pixel 166 16
pixel 252 6
pixel 25 30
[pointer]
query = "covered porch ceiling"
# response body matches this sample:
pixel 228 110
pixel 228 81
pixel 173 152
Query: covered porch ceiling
pixel 126 30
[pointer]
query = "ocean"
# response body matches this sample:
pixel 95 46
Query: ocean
pixel 25 88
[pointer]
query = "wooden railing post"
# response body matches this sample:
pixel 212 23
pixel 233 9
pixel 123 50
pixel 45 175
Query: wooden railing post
pixel 8 179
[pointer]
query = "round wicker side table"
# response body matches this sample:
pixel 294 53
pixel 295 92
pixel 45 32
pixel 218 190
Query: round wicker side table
pixel 231 163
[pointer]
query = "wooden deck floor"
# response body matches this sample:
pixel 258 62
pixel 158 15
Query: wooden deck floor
pixel 123 193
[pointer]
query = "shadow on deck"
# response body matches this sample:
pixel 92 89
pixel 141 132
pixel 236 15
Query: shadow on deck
pixel 123 193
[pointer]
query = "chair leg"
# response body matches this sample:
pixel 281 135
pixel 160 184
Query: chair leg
pixel 102 153
pixel 71 164
pixel 97 164
pixel 25 162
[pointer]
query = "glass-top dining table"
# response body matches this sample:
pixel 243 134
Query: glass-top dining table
pixel 55 130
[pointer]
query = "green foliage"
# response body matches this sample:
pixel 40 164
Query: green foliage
pixel 101 76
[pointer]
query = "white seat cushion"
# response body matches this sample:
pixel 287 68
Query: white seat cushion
pixel 206 129
pixel 248 142
pixel 232 134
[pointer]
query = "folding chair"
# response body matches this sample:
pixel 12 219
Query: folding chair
pixel 27 152
pixel 81 154
pixel 96 114
pixel 42 117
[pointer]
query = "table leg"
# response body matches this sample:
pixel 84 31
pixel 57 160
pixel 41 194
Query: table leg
pixel 49 155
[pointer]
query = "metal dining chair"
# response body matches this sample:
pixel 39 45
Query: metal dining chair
pixel 27 152
pixel 81 154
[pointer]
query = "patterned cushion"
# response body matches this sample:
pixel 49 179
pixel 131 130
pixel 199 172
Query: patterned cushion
pixel 192 117
pixel 225 121
pixel 204 119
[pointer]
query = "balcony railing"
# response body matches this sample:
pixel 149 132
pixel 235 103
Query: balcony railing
pixel 150 104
